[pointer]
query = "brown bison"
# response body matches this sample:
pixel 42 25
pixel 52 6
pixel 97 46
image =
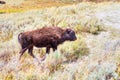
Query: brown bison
pixel 2 2
pixel 49 37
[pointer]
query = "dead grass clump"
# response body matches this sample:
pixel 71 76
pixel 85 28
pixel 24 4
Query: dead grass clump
pixel 5 56
pixel 6 33
pixel 90 25
pixel 53 61
pixel 9 76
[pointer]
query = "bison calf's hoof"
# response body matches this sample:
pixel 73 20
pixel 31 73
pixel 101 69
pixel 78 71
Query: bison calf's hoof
pixel 36 60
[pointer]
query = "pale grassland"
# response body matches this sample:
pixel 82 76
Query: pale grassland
pixel 93 56
pixel 12 6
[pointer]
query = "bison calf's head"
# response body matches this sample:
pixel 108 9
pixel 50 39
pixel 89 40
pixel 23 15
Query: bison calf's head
pixel 69 35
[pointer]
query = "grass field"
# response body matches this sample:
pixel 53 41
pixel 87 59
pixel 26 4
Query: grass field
pixel 93 56
pixel 24 5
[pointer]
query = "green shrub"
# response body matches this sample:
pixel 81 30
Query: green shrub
pixel 54 61
pixel 73 50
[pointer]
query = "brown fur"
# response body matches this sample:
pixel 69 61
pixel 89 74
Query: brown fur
pixel 49 37
pixel 2 2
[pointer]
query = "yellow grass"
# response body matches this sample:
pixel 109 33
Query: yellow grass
pixel 26 5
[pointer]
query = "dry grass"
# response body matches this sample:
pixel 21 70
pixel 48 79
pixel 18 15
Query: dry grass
pixel 94 56
pixel 13 6
pixel 25 5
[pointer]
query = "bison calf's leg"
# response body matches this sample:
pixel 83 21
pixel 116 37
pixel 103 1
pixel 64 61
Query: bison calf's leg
pixel 54 48
pixel 54 45
pixel 30 51
pixel 21 52
pixel 47 52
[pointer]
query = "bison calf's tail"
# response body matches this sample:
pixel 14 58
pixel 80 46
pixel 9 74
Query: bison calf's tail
pixel 20 37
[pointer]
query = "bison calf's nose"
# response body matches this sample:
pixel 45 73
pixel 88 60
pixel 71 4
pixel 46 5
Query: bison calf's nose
pixel 75 38
pixel 48 37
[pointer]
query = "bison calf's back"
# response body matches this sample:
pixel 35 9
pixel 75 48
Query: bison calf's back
pixel 49 37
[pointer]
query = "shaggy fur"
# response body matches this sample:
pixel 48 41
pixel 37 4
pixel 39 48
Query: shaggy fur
pixel 49 37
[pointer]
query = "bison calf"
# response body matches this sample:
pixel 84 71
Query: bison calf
pixel 49 37
pixel 2 2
